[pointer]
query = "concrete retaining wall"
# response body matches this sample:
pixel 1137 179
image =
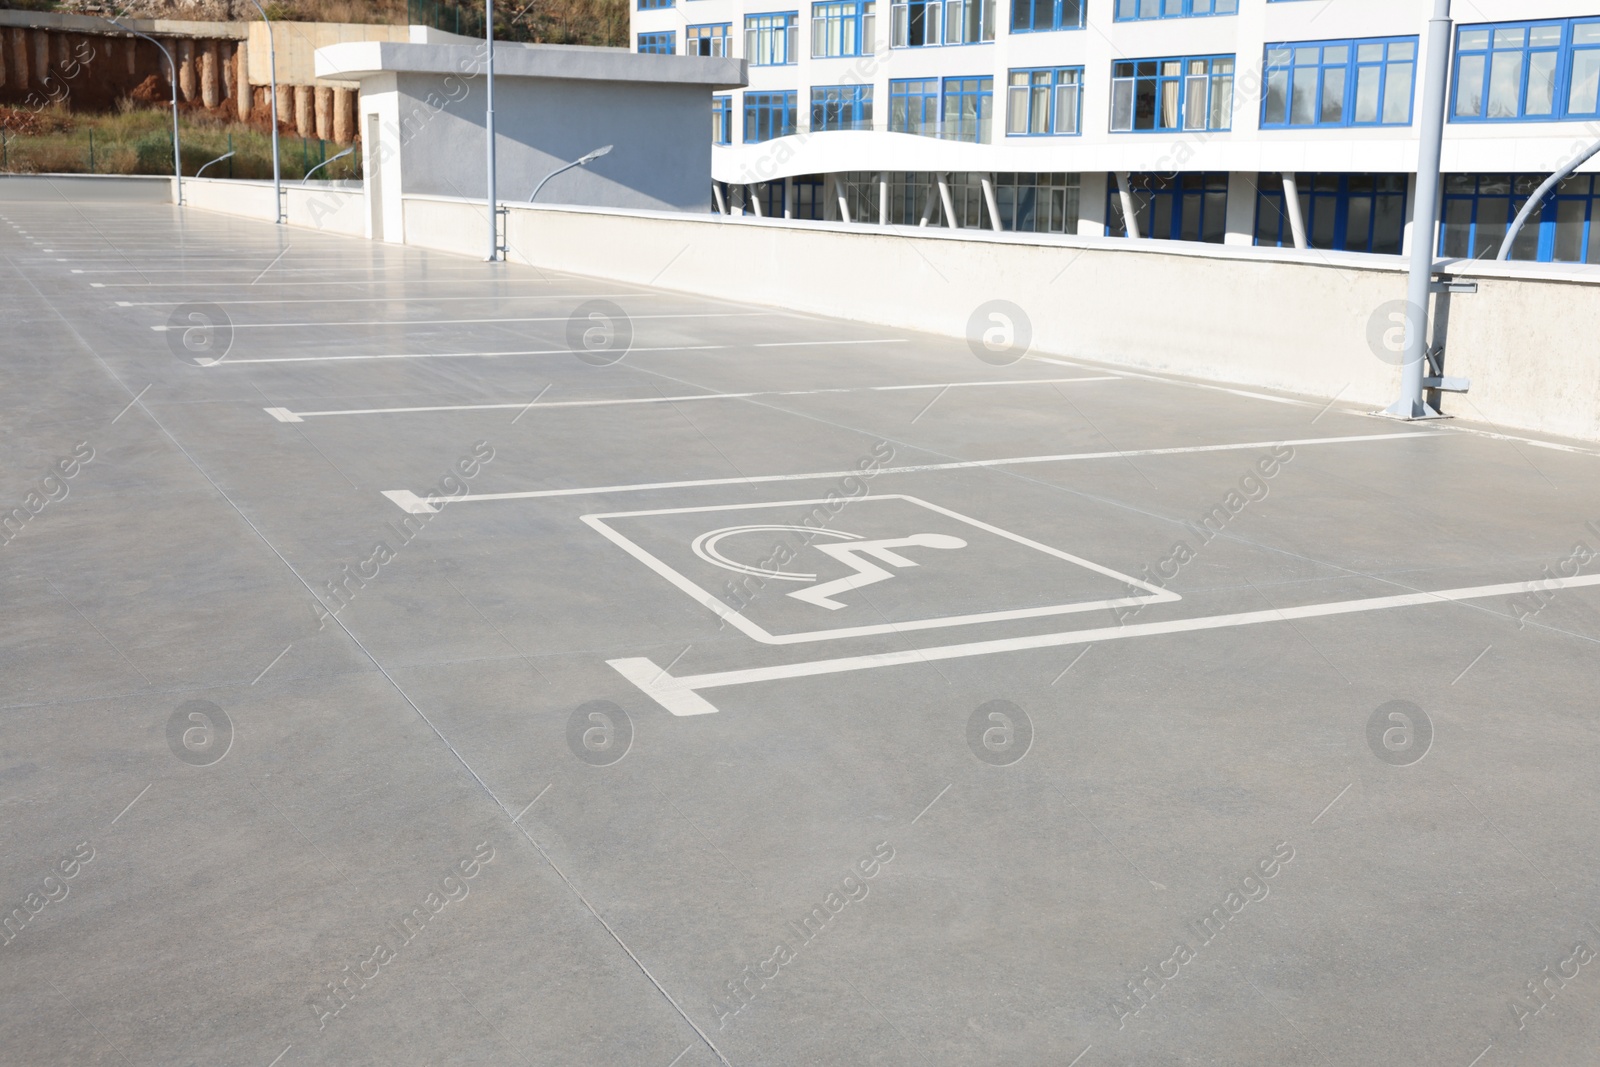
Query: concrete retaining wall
pixel 1300 322
pixel 333 207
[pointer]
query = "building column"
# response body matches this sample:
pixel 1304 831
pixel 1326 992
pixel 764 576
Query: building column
pixel 285 103
pixel 210 76
pixel 303 124
pixel 1092 186
pixel 1130 218
pixel 788 198
pixel 990 202
pixel 324 111
pixel 1241 213
pixel 830 206
pixel 344 115
pixel 753 196
pixel 716 195
pixel 1291 207
pixel 241 82
pixel 883 198
pixel 843 198
pixel 947 202
pixel 185 58
pixel 41 56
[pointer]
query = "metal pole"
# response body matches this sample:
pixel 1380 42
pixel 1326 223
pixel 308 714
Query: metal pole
pixel 272 64
pixel 494 218
pixel 177 158
pixel 1538 197
pixel 1425 219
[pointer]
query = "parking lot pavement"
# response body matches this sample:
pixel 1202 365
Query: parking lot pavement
pixel 412 660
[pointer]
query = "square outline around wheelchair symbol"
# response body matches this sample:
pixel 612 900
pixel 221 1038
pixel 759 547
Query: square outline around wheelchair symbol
pixel 725 611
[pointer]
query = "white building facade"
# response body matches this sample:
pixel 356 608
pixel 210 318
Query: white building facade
pixel 1201 118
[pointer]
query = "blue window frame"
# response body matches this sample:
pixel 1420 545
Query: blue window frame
pixel 925 23
pixel 1175 93
pixel 648 5
pixel 842 28
pixel 1139 10
pixel 914 106
pixel 1173 207
pixel 841 107
pixel 710 39
pixel 1340 83
pixel 968 109
pixel 769 39
pixel 721 120
pixel 1044 102
pixel 1540 71
pixel 664 44
pixel 768 115
pixel 1342 212
pixel 1038 16
pixel 1479 208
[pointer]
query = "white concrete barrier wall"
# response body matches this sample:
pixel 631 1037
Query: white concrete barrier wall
pixel 331 207
pixel 1295 321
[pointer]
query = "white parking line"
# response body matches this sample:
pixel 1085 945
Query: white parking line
pixel 285 415
pixel 393 297
pixel 163 328
pixel 681 696
pixel 549 352
pixel 409 501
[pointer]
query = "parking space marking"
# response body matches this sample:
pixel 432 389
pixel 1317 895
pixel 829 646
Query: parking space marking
pixel 409 501
pixel 392 297
pixel 548 352
pixel 163 328
pixel 680 695
pixel 285 415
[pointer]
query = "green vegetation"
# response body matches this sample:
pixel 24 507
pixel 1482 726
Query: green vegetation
pixel 140 142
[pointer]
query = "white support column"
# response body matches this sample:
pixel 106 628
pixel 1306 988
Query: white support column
pixel 1130 218
pixel 843 198
pixel 754 197
pixel 1092 188
pixel 722 201
pixel 1291 207
pixel 830 203
pixel 788 198
pixel 927 209
pixel 990 202
pixel 947 202
pixel 883 198
pixel 1241 213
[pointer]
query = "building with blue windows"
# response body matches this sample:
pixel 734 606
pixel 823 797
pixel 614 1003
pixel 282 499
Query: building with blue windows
pixel 1189 120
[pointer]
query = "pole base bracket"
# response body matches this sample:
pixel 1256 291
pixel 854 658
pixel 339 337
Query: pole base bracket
pixel 1410 410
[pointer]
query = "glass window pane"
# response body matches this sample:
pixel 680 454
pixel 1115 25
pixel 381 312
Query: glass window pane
pixel 1222 102
pixel 1474 40
pixel 1336 55
pixel 1494 215
pixel 1594 242
pixel 1017 109
pixel 1586 33
pixel 1584 92
pixel 1169 105
pixel 1505 85
pixel 1469 87
pixel 1358 224
pixel 1278 57
pixel 1122 105
pixel 1277 111
pixel 1457 242
pixel 1303 102
pixel 1066 109
pixel 1544 36
pixel 1332 95
pixel 1397 94
pixel 1510 38
pixel 1541 83
pixel 1194 106
pixel 1368 82
pixel 1370 53
pixel 1402 50
pixel 1310 56
pixel 1389 225
pixel 1040 119
pixel 1569 230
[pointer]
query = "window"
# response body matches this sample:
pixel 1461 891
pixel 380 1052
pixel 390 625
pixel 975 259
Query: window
pixel 914 106
pixel 1527 71
pixel 659 43
pixel 1340 83
pixel 721 120
pixel 843 29
pixel 711 40
pixel 968 108
pixel 1044 102
pixel 1342 212
pixel 769 39
pixel 768 115
pixel 647 5
pixel 1192 93
pixel 916 23
pixel 1173 207
pixel 1479 209
pixel 1037 203
pixel 1132 10
pixel 841 107
pixel 1033 16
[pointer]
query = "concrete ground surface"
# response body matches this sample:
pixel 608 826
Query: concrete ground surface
pixel 1211 727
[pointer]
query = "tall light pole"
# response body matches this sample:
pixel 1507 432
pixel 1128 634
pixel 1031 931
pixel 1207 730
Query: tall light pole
pixel 494 218
pixel 272 78
pixel 1425 219
pixel 177 157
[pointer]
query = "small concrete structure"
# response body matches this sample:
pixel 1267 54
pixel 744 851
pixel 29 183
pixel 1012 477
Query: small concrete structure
pixel 422 108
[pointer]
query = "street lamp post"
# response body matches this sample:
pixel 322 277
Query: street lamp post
pixel 581 161
pixel 177 157
pixel 494 219
pixel 272 78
